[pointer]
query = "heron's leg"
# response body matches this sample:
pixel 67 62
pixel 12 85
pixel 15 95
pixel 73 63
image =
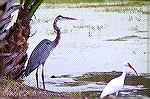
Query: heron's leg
pixel 37 77
pixel 43 75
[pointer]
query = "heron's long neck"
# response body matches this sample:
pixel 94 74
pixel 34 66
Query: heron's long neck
pixel 56 41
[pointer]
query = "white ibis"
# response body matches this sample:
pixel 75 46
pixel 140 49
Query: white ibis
pixel 115 85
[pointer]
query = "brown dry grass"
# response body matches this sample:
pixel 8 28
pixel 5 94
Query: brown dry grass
pixel 16 90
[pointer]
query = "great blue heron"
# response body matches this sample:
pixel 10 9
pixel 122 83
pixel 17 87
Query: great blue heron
pixel 43 50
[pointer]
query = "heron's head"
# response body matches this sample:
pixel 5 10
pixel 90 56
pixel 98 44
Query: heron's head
pixel 127 64
pixel 62 18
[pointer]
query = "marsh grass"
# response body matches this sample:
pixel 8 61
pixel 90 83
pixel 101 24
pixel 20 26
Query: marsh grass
pixel 36 20
pixel 107 6
pixel 72 84
pixel 125 38
pixel 91 27
pixel 72 1
pixel 137 29
pixel 105 77
pixel 131 2
pixel 146 12
pixel 51 32
pixel 123 9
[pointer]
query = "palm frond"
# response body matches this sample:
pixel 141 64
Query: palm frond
pixel 36 4
pixel 7 8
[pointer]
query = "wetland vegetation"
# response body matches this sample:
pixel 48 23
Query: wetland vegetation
pixel 100 79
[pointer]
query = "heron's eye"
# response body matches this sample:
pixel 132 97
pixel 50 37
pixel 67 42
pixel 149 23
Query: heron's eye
pixel 48 43
pixel 60 18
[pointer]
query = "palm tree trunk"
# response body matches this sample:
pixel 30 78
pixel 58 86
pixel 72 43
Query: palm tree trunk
pixel 13 46
pixel 13 42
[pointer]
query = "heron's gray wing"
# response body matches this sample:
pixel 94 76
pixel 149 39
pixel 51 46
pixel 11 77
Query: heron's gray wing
pixel 39 55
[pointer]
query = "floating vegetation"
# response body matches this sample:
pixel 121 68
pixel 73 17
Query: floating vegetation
pixel 137 29
pixel 51 32
pixel 125 38
pixel 92 27
pixel 66 76
pixel 36 20
pixel 72 1
pixel 95 77
pixel 72 84
pixel 97 3
pixel 107 76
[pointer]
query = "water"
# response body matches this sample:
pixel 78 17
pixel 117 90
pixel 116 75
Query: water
pixel 99 41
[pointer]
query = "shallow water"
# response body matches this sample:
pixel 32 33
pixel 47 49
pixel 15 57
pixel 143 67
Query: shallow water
pixel 99 41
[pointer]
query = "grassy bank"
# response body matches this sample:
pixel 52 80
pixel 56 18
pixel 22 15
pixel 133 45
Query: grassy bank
pixel 14 88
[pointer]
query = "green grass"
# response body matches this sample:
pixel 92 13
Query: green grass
pixel 72 1
pixel 96 1
pixel 122 9
pixel 133 2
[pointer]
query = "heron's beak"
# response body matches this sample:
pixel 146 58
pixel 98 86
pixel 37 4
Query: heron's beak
pixel 69 18
pixel 133 69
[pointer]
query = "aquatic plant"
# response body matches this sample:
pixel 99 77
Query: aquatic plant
pixel 125 38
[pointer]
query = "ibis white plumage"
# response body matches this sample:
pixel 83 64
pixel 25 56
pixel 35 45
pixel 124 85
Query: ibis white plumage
pixel 115 85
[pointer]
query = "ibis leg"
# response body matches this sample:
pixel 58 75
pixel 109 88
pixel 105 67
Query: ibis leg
pixel 37 77
pixel 43 75
pixel 117 94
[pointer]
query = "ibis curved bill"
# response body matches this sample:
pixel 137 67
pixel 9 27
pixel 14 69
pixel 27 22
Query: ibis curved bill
pixel 115 85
